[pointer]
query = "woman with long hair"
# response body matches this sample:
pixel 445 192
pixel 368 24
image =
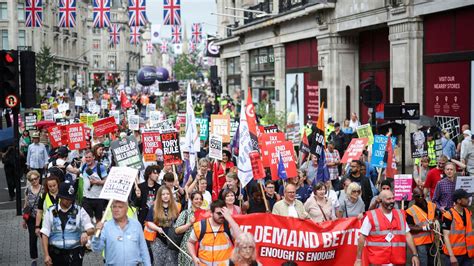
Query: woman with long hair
pixel 48 199
pixel 32 194
pixel 220 170
pixel 244 253
pixel 160 218
pixel 145 194
pixel 184 225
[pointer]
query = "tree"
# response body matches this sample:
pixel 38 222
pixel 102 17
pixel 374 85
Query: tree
pixel 46 71
pixel 185 67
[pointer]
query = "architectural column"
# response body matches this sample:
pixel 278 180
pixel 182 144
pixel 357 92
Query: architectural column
pixel 280 77
pixel 12 25
pixel 339 62
pixel 222 73
pixel 244 71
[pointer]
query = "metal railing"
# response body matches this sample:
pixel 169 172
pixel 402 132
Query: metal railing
pixel 287 5
pixel 265 6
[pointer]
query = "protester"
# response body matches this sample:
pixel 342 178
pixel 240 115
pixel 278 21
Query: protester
pixel 214 236
pixel 310 169
pixel 420 172
pixel 333 160
pixel 202 171
pixel 338 138
pixel 449 148
pixel 377 200
pixel 184 225
pixel 354 123
pixel 232 183
pixel 229 198
pixel 32 194
pixel 356 176
pixel 37 156
pixel 145 194
pixel 64 246
pixel 303 189
pixel 346 129
pixel 25 141
pixel 443 195
pixel 201 188
pixel 220 170
pixel 49 198
pixel 290 206
pixel 270 194
pixel 430 143
pixel 385 234
pixel 318 206
pixel 94 175
pixel 121 238
pixel 466 143
pixel 244 252
pixel 458 236
pixel 352 204
pixel 341 194
pixel 434 176
pixel 468 158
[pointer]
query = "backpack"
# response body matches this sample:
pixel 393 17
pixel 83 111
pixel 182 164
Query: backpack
pixel 60 172
pixel 204 226
pixel 99 172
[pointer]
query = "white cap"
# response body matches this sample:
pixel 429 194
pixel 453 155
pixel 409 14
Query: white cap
pixel 467 132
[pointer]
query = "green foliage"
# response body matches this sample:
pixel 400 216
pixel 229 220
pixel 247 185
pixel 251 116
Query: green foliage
pixel 269 116
pixel 46 72
pixel 186 67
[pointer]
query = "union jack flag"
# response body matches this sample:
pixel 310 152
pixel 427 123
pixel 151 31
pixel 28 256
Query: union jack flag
pixel 176 34
pixel 137 13
pixel 114 34
pixel 34 13
pixel 196 33
pixel 172 12
pixel 134 35
pixel 67 13
pixel 192 47
pixel 149 47
pixel 101 13
pixel 164 47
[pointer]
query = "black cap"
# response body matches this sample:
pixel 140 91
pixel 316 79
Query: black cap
pixel 330 120
pixel 67 191
pixel 337 124
pixel 62 151
pixel 460 194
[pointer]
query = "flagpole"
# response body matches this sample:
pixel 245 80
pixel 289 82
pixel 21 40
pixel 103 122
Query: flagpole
pixel 264 197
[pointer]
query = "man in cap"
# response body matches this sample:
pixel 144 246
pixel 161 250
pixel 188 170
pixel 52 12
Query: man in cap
pixel 466 143
pixel 37 158
pixel 329 127
pixel 66 227
pixel 458 236
pixel 69 172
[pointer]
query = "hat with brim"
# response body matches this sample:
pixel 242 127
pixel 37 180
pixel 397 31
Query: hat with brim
pixel 67 191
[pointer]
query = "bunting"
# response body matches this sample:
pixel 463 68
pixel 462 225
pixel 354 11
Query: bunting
pixel 67 13
pixel 172 12
pixel 101 13
pixel 114 34
pixel 34 13
pixel 137 13
pixel 149 47
pixel 134 35
pixel 196 33
pixel 176 34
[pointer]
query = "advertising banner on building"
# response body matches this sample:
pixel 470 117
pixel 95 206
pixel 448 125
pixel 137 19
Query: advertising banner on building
pixel 295 98
pixel 311 98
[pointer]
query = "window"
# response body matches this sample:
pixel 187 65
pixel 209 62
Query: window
pixel 3 11
pixel 96 44
pixel 96 31
pixel 21 38
pixel 5 45
pixel 233 66
pixel 96 61
pixel 21 11
pixel 262 59
pixel 111 62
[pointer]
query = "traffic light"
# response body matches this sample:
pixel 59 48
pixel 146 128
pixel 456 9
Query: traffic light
pixel 9 75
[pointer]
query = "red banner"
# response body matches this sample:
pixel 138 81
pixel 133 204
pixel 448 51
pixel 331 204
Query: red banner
pixel 151 142
pixel 267 139
pixel 287 152
pixel 55 136
pixel 104 126
pixel 355 149
pixel 257 165
pixel 280 239
pixel 76 136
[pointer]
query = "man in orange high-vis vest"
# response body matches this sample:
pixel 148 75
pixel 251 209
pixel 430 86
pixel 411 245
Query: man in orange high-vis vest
pixel 215 239
pixel 457 232
pixel 420 218
pixel 386 235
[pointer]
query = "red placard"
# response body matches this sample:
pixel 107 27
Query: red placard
pixel 170 144
pixel 355 149
pixel 76 136
pixel 269 138
pixel 257 165
pixel 285 148
pixel 55 136
pixel 151 142
pixel 104 126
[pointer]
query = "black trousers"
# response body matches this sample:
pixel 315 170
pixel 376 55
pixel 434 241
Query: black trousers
pixel 10 176
pixel 71 257
pixel 94 207
pixel 33 239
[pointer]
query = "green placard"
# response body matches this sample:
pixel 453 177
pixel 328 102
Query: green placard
pixel 365 131
pixel 203 124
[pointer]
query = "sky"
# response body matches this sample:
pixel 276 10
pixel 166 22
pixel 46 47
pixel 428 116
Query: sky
pixel 192 11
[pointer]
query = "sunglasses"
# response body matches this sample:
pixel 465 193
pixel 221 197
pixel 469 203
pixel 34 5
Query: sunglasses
pixel 418 196
pixel 271 187
pixel 34 178
pixel 355 191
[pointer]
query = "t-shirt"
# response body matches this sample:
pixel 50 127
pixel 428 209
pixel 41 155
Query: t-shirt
pixel 447 223
pixel 350 209
pixel 432 179
pixel 367 226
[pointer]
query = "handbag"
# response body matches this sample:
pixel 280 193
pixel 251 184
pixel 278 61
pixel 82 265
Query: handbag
pixel 176 238
pixel 27 211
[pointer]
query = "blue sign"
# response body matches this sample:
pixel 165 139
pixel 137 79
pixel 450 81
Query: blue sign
pixel 378 150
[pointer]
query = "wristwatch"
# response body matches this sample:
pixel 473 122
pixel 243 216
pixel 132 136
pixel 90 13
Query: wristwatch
pixel 415 255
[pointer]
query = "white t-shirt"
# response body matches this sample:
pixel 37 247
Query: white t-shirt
pixel 292 211
pixel 367 226
pixel 206 201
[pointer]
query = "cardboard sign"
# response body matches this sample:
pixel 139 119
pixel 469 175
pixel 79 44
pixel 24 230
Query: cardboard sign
pixel 116 115
pixel 151 141
pixel 78 101
pixel 203 124
pixel 215 147
pixel 76 136
pixel 105 126
pixel 119 183
pixel 165 125
pixel 181 125
pixel 365 131
pixel 134 122
pixel 170 146
pixel 48 115
pixel 403 187
pixel 257 165
pixel 83 118
pixel 267 139
pixel 466 183
pixel 293 133
pixel 220 125
pixel 91 119
pixel 104 104
pixel 126 152
pixel 55 136
pixel 30 120
pixel 419 148
pixel 355 149
pixel 378 151
pixel 287 152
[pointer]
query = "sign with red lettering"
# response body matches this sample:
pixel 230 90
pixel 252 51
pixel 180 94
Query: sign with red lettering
pixel 267 139
pixel 355 149
pixel 76 136
pixel 55 136
pixel 151 142
pixel 402 187
pixel 287 152
pixel 220 125
pixel 280 239
pixel 311 97
pixel 104 126
pixel 257 165
pixel 170 145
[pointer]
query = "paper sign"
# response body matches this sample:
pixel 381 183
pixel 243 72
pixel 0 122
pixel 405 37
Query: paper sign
pixel 130 112
pixel 365 131
pixel 403 187
pixel 105 126
pixel 83 118
pixel 154 118
pixel 63 107
pixel 150 108
pixel 203 124
pixel 76 136
pixel 55 136
pixel 39 114
pixel 151 141
pixel 270 129
pixel 378 151
pixel 91 118
pixel 418 145
pixel 170 146
pixel 116 115
pixel 267 139
pixel 44 106
pixel 287 152
pixel 355 149
pixel 119 183
pixel 126 152
pixel 257 166
pixel 134 122
pixel 220 125
pixel 30 121
pixel 104 104
pixel 78 101
pixel 466 183
pixel 234 125
pixel 48 115
pixel 164 125
pixel 215 147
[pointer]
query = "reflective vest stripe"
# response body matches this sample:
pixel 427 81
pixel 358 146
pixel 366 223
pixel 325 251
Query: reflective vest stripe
pixel 402 222
pixel 214 263
pixel 216 248
pixel 385 232
pixel 386 244
pixel 376 221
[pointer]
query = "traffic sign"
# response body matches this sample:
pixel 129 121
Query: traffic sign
pixel 11 101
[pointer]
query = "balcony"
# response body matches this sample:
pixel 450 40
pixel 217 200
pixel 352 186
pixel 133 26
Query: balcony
pixel 287 5
pixel 74 34
pixel 265 6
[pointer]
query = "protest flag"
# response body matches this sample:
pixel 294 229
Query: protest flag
pixel 317 138
pixel 251 121
pixel 320 123
pixel 322 174
pixel 125 103
pixel 391 170
pixel 192 139
pixel 281 168
pixel 187 171
pixel 304 147
pixel 244 164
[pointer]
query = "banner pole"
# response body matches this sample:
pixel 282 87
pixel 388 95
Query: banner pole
pixel 264 197
pixel 107 209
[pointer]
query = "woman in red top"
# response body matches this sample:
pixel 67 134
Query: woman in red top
pixel 220 169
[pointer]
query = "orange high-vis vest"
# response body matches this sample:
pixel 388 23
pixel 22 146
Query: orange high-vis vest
pixel 379 250
pixel 421 218
pixel 461 237
pixel 214 249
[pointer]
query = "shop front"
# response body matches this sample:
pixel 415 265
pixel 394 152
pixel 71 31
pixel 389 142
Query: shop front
pixel 262 75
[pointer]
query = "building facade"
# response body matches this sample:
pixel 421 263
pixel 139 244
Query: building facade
pixel 299 53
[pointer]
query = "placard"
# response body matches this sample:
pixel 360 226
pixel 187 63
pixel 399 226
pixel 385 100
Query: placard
pixel 378 151
pixel 30 121
pixel 83 118
pixel 151 141
pixel 150 108
pixel 215 147
pixel 55 136
pixel 287 152
pixel 220 125
pixel 119 183
pixel 44 106
pixel 466 183
pixel 418 145
pixel 203 124
pixel 234 126
pixel 76 136
pixel 165 125
pixel 63 107
pixel 267 139
pixel 354 150
pixel 78 101
pixel 104 126
pixel 104 104
pixel 48 115
pixel 116 115
pixel 154 118
pixel 170 146
pixel 134 122
pixel 91 118
pixel 126 152
pixel 403 187
pixel 365 131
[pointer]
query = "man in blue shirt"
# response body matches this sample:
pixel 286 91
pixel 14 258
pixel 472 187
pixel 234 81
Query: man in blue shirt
pixel 122 238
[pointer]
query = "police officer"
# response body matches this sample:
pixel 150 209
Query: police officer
pixel 66 227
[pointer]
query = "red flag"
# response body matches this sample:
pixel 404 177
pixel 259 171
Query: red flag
pixel 391 165
pixel 304 147
pixel 124 100
pixel 251 121
pixel 215 182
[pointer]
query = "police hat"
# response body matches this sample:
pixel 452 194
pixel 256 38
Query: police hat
pixel 66 191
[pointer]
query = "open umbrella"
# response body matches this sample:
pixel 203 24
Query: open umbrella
pixel 425 121
pixel 44 123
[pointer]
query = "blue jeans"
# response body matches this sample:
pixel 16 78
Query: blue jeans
pixel 463 260
pixel 424 254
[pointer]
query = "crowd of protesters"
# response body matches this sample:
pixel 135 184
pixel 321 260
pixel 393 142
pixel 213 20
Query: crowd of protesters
pixel 62 197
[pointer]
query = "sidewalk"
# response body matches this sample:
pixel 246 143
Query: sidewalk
pixel 14 246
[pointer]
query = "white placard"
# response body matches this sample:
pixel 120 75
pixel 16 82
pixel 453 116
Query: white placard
pixel 78 101
pixel 48 115
pixel 133 122
pixel 116 115
pixel 149 108
pixel 63 107
pixel 119 183
pixel 215 147
pixel 104 104
pixel 91 106
pixel 466 183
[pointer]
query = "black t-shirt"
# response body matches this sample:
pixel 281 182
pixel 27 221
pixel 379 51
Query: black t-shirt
pixel 409 218
pixel 43 198
pixel 447 223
